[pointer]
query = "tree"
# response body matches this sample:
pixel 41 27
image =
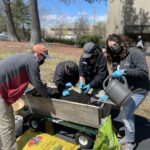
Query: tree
pixel 99 29
pixel 21 18
pixel 2 18
pixel 81 26
pixel 9 21
pixel 59 31
pixel 35 23
pixel 89 1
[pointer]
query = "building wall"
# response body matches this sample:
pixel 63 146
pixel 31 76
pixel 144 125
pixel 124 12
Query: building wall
pixel 128 16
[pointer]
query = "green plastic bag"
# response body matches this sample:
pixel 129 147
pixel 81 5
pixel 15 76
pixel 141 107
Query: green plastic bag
pixel 106 138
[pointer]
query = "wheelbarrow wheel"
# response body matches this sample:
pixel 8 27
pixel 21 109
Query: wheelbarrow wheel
pixel 36 123
pixel 83 140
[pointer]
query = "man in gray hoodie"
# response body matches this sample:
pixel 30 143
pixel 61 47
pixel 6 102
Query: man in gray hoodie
pixel 16 73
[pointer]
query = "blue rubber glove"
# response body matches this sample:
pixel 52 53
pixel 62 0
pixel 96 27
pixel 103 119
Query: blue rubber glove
pixel 65 92
pixel 103 98
pixel 81 85
pixel 68 85
pixel 117 73
pixel 86 88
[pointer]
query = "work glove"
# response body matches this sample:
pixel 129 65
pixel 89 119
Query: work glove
pixel 81 85
pixel 65 92
pixel 68 85
pixel 86 88
pixel 117 73
pixel 103 98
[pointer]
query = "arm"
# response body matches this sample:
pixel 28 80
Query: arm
pixel 82 79
pixel 81 67
pixel 59 78
pixel 76 77
pixel 101 75
pixel 138 67
pixel 35 79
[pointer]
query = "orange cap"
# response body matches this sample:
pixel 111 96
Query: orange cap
pixel 39 49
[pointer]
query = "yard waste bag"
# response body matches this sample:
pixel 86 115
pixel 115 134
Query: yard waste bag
pixel 32 140
pixel 106 138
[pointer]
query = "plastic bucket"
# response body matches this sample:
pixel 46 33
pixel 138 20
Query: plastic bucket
pixel 18 124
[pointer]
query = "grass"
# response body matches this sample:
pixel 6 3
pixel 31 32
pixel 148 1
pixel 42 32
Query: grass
pixel 6 54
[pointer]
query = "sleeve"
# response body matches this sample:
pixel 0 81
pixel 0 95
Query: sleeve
pixel 81 67
pixel 76 77
pixel 35 79
pixel 101 75
pixel 59 78
pixel 139 66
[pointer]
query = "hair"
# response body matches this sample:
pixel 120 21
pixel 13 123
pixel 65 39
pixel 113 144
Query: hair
pixel 123 41
pixel 71 67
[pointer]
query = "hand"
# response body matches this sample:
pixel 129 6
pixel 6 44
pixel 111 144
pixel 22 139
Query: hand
pixel 103 98
pixel 65 92
pixel 86 88
pixel 117 73
pixel 68 85
pixel 81 85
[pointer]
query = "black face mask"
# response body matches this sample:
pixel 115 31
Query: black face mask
pixel 115 50
pixel 41 60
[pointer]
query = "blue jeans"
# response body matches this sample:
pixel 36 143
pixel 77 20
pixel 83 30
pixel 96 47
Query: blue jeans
pixel 128 110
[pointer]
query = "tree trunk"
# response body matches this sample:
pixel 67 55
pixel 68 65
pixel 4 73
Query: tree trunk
pixel 9 21
pixel 35 23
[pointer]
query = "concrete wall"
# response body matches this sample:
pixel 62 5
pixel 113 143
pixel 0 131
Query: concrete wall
pixel 131 16
pixel 115 20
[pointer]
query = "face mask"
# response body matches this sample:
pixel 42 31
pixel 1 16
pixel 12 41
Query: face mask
pixel 41 60
pixel 115 49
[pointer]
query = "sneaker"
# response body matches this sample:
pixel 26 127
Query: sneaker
pixel 122 141
pixel 128 146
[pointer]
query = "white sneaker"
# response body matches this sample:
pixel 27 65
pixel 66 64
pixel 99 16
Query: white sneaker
pixel 128 146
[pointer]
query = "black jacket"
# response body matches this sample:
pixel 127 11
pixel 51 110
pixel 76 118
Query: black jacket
pixel 96 73
pixel 61 78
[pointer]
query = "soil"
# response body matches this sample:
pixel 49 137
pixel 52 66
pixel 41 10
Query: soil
pixel 73 97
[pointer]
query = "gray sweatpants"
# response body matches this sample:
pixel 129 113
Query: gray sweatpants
pixel 7 127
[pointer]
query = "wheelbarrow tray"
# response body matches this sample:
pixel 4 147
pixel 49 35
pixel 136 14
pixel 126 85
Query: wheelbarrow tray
pixel 67 110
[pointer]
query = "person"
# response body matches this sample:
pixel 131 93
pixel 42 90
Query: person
pixel 66 75
pixel 129 62
pixel 140 43
pixel 92 68
pixel 16 73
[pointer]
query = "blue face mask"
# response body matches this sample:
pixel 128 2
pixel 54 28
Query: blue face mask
pixel 115 50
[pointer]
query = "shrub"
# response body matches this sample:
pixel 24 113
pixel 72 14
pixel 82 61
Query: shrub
pixel 87 38
pixel 79 42
pixel 59 40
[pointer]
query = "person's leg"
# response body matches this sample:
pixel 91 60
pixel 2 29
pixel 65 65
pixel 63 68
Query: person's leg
pixel 128 110
pixel 7 127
